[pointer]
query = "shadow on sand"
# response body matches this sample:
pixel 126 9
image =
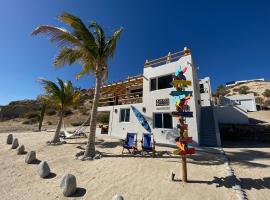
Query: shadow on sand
pixel 245 155
pixel 51 175
pixel 35 162
pixel 80 192
pixel 231 181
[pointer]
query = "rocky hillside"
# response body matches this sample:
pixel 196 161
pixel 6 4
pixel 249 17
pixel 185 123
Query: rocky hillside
pixel 261 90
pixel 28 112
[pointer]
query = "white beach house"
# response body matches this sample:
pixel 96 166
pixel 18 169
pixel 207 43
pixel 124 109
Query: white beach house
pixel 149 93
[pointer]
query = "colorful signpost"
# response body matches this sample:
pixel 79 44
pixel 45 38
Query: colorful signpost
pixel 181 98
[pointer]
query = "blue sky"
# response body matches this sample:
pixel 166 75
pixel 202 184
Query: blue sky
pixel 229 40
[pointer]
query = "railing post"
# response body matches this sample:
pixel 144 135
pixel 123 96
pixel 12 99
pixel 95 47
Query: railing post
pixel 146 62
pixel 168 58
pixel 186 51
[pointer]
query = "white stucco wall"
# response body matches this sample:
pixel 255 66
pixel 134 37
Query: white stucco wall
pixel 206 97
pixel 230 115
pixel 246 102
pixel 164 136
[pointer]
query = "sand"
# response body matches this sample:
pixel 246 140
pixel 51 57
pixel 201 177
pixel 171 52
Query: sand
pixel 261 117
pixel 251 162
pixel 134 177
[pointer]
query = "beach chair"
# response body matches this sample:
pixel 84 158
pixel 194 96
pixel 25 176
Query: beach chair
pixel 130 143
pixel 148 143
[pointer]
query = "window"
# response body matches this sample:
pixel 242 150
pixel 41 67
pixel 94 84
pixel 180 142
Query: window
pixel 162 120
pixel 153 84
pixel 201 88
pixel 124 115
pixel 164 82
pixel 161 82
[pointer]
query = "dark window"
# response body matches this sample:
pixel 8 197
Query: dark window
pixel 164 82
pixel 162 120
pixel 158 120
pixel 201 88
pixel 153 84
pixel 167 120
pixel 125 115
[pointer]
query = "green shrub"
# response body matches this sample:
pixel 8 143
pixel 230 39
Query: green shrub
pixel 243 90
pixel 267 103
pixel 50 112
pixel 259 100
pixel 67 112
pixel 32 114
pixel 103 117
pixel 255 93
pixel 266 93
pixel 31 121
pixel 49 123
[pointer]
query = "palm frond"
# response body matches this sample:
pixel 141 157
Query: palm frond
pixel 79 29
pixel 58 35
pixel 66 56
pixel 63 95
pixel 87 69
pixel 99 35
pixel 111 43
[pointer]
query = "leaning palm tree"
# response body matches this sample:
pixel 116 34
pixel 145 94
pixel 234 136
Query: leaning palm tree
pixel 61 96
pixel 88 46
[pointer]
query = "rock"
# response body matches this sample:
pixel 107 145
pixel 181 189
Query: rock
pixel 9 139
pixel 14 144
pixel 68 184
pixel 43 169
pixel 20 149
pixel 30 157
pixel 118 197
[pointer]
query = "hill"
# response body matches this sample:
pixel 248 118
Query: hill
pixel 25 114
pixel 260 89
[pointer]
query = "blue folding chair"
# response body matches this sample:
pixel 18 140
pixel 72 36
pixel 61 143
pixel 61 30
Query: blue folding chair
pixel 130 143
pixel 148 143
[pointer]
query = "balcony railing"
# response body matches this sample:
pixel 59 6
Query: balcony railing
pixel 167 59
pixel 129 98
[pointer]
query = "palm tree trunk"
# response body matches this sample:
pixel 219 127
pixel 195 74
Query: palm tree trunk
pixel 41 116
pixel 90 147
pixel 56 137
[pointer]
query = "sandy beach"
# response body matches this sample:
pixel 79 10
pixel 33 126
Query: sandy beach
pixel 134 177
pixel 251 164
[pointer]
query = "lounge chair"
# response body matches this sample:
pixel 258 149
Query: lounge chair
pixel 148 143
pixel 130 143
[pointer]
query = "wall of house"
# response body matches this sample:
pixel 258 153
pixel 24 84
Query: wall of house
pixel 230 115
pixel 246 102
pixel 164 136
pixel 206 97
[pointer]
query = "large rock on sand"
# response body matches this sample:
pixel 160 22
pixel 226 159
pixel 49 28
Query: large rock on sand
pixel 43 169
pixel 14 144
pixel 20 150
pixel 30 157
pixel 9 139
pixel 68 184
pixel 118 197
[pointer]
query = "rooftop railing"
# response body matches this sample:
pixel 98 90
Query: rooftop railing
pixel 167 59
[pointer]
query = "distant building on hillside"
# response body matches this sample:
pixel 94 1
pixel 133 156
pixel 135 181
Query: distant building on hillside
pixel 245 102
pixel 232 83
pixel 205 91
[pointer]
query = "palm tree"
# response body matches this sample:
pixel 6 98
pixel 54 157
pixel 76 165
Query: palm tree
pixel 88 46
pixel 61 96
pixel 43 101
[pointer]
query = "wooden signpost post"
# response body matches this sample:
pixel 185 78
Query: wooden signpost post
pixel 181 105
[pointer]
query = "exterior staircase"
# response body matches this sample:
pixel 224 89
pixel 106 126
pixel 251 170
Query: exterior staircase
pixel 208 130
